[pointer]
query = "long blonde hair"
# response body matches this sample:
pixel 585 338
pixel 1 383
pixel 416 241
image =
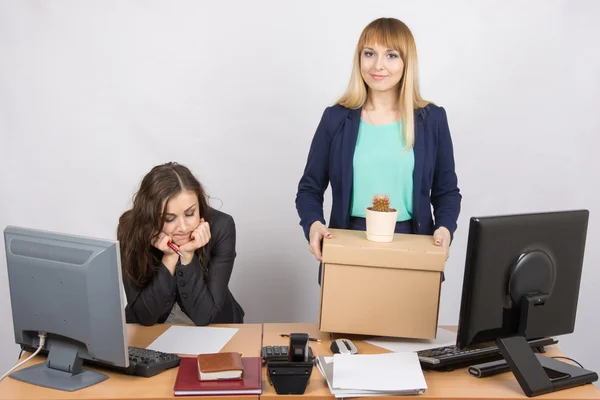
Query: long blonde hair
pixel 393 34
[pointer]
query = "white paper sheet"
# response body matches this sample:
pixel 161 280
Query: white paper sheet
pixel 325 366
pixel 444 338
pixel 192 340
pixel 378 372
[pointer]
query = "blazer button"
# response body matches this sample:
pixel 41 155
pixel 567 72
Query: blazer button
pixel 182 284
pixel 180 273
pixel 174 294
pixel 168 303
pixel 184 295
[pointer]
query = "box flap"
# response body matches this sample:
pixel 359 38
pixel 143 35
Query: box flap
pixel 406 251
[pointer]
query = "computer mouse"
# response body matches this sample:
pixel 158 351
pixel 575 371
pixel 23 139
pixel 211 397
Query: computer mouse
pixel 343 346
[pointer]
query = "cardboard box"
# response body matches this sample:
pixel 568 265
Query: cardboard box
pixel 387 289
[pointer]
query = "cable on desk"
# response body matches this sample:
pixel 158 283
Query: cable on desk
pixel 42 336
pixel 570 359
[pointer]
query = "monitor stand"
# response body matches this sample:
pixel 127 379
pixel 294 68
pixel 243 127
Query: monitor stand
pixel 62 370
pixel 538 374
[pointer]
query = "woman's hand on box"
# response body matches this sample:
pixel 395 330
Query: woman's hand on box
pixel 441 237
pixel 317 232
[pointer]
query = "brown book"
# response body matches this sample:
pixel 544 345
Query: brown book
pixel 218 366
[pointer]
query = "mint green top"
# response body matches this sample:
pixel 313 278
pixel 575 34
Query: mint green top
pixel 382 166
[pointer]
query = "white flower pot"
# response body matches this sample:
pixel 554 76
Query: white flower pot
pixel 381 225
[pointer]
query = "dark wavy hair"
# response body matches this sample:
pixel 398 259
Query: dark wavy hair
pixel 139 226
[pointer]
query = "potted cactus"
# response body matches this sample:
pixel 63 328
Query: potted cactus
pixel 381 219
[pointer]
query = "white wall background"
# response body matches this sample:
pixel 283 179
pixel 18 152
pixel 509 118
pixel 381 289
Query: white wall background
pixel 93 94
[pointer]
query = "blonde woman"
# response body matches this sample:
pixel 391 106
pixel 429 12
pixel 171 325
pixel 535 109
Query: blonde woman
pixel 382 137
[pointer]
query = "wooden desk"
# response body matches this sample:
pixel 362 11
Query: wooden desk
pixel 441 385
pixel 118 386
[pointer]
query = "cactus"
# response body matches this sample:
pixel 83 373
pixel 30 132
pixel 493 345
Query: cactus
pixel 381 203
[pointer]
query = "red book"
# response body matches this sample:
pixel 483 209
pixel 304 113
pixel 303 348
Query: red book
pixel 188 384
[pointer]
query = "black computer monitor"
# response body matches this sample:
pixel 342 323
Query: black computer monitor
pixel 67 287
pixel 521 281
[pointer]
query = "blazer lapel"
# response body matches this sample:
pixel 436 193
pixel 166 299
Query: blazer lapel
pixel 348 146
pixel 419 153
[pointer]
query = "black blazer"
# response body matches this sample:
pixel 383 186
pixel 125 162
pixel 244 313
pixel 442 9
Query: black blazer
pixel 206 300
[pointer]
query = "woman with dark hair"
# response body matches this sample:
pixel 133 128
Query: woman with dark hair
pixel 177 253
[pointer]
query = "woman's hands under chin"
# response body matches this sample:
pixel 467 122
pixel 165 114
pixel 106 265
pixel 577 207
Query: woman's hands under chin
pixel 198 238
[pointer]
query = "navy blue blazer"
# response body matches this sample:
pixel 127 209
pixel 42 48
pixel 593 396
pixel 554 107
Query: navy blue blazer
pixel 330 160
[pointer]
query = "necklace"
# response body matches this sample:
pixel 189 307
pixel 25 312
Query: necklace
pixel 370 119
pixel 373 122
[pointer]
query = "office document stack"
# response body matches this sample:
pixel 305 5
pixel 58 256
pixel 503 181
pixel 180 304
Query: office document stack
pixel 361 375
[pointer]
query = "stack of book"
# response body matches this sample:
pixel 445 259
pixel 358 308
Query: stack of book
pixel 218 374
pixel 361 375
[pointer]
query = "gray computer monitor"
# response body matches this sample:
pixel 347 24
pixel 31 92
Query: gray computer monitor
pixel 69 287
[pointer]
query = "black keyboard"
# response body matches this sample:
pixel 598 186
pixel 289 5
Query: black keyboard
pixel 451 357
pixel 142 362
pixel 147 363
pixel 280 353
